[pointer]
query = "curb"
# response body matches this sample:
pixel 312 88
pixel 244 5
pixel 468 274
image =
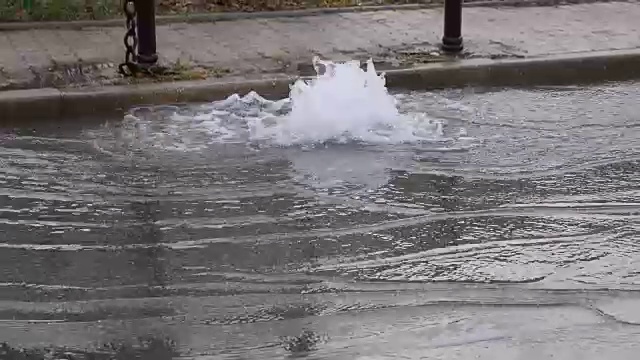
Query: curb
pixel 72 104
pixel 230 16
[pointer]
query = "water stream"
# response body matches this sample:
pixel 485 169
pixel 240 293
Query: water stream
pixel 451 223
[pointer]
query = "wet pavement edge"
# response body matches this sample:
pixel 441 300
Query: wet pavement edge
pixel 50 104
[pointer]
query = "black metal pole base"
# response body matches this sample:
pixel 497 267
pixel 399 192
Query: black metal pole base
pixel 452 44
pixel 452 39
pixel 147 59
pixel 146 21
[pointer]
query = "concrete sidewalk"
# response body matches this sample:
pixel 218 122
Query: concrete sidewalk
pixel 251 47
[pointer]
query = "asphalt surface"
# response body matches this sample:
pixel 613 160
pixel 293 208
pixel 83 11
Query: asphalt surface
pixel 511 234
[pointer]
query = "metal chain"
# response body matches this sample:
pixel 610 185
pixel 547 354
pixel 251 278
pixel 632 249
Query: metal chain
pixel 130 67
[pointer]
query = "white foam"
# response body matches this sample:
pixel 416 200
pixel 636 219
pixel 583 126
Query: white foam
pixel 343 103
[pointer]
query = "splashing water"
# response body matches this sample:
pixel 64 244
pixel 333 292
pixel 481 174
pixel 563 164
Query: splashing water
pixel 342 103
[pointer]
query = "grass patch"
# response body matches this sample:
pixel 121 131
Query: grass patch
pixel 178 71
pixel 60 10
pixel 68 10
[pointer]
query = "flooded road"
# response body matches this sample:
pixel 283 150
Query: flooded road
pixel 511 232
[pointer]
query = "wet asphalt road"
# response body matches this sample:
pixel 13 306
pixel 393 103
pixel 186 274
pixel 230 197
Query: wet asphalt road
pixel 513 236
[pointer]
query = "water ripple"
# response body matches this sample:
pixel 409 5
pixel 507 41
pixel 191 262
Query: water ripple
pixel 524 198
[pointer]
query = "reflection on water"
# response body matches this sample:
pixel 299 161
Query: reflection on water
pixel 518 224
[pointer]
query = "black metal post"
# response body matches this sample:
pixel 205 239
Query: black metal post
pixel 146 23
pixel 452 39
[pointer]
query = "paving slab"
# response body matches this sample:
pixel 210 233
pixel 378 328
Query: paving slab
pixel 32 58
